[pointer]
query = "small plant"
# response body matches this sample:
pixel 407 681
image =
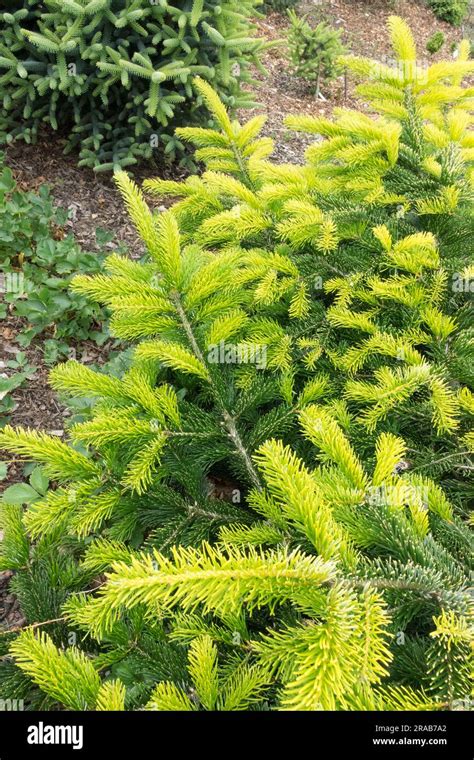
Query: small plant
pixel 37 261
pixel 452 11
pixel 13 374
pixel 314 50
pixel 435 42
pixel 27 493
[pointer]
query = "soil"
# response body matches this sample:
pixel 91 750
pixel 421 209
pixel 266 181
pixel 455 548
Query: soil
pixel 94 202
pixel 10 613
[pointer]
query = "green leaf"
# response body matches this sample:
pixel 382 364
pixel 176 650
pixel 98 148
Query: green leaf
pixel 7 183
pixel 39 481
pixel 8 384
pixel 20 493
pixel 103 236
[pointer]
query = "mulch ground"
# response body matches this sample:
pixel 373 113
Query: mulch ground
pixel 94 202
pixel 10 612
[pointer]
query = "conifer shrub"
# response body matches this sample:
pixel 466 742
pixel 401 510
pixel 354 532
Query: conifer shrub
pixel 314 51
pixel 115 75
pixel 435 42
pixel 305 334
pixel 452 11
pixel 38 259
